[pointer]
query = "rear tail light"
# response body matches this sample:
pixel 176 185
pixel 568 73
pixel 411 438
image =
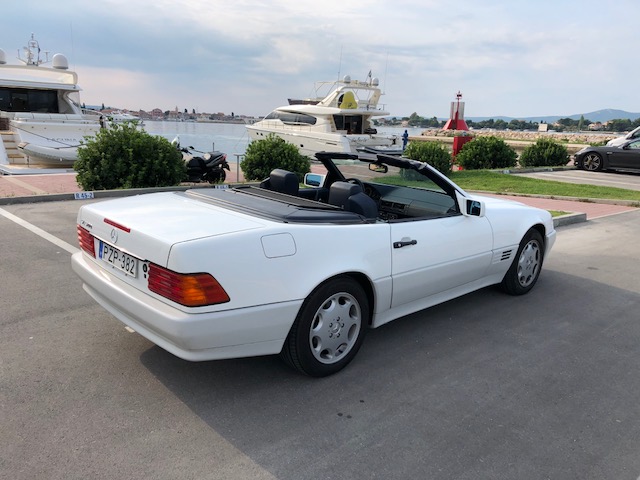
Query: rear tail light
pixel 86 241
pixel 190 290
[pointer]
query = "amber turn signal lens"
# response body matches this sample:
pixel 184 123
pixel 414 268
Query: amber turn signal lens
pixel 190 290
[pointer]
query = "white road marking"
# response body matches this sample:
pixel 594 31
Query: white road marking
pixel 38 231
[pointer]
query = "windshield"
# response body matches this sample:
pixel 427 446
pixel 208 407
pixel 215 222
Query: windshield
pixel 403 189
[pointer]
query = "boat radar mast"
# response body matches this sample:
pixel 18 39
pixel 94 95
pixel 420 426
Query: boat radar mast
pixel 32 52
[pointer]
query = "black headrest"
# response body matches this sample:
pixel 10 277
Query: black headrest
pixel 284 182
pixel 339 192
pixel 351 198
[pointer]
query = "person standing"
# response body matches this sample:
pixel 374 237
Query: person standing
pixel 405 139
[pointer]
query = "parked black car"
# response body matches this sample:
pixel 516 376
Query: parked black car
pixel 624 157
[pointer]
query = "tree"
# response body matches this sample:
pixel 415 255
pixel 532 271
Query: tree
pixel 415 120
pixel 122 156
pixel 262 156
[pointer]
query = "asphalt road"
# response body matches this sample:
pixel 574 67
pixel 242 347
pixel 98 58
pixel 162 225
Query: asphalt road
pixel 484 387
pixel 629 181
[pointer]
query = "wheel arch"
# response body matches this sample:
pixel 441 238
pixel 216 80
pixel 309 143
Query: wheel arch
pixel 542 231
pixel 360 278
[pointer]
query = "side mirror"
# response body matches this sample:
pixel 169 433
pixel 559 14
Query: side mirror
pixel 378 167
pixel 314 179
pixel 471 207
pixel 475 208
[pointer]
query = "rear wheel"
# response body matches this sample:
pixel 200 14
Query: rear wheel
pixel 525 269
pixel 592 161
pixel 329 328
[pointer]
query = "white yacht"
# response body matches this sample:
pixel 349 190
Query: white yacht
pixel 123 117
pixel 41 121
pixel 337 122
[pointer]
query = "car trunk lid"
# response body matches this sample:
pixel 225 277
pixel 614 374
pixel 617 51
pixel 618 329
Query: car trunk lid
pixel 139 228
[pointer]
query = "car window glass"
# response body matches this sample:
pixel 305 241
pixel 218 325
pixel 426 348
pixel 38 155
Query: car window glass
pixel 403 194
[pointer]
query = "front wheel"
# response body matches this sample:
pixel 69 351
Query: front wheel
pixel 329 328
pixel 592 162
pixel 525 269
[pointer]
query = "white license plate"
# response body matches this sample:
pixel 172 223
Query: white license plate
pixel 118 259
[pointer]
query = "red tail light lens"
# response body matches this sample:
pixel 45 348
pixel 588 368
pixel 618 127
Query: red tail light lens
pixel 86 241
pixel 190 290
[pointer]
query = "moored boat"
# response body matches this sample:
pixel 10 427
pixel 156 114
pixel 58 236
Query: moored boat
pixel 41 121
pixel 340 121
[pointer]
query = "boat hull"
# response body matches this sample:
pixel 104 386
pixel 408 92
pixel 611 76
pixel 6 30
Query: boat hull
pixel 46 139
pixel 310 142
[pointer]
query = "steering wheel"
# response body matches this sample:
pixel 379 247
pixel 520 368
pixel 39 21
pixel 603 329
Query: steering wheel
pixel 357 181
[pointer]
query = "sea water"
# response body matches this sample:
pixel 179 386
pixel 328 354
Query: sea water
pixel 229 138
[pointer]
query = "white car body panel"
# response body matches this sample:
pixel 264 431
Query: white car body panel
pixel 269 267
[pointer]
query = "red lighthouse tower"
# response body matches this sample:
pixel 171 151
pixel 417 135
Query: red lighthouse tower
pixel 456 117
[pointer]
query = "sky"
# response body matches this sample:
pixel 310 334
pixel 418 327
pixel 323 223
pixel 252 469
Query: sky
pixel 517 58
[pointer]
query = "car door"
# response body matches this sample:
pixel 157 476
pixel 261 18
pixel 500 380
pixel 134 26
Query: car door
pixel 625 157
pixel 434 254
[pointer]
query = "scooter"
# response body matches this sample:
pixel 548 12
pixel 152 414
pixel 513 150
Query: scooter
pixel 204 166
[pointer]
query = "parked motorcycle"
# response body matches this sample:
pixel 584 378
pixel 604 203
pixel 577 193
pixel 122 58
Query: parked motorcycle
pixel 203 166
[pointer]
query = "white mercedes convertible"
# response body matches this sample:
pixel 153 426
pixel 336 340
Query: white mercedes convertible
pixel 302 271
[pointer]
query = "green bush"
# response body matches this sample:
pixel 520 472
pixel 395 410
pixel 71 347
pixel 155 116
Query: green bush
pixel 433 153
pixel 122 156
pixel 544 153
pixel 486 153
pixel 262 156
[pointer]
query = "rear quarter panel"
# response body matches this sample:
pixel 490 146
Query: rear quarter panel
pixel 283 262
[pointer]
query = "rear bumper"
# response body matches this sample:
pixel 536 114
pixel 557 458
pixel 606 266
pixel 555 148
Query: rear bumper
pixel 246 332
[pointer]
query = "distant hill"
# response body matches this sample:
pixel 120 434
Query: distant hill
pixel 597 116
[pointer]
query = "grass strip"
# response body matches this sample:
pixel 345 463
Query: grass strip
pixel 488 181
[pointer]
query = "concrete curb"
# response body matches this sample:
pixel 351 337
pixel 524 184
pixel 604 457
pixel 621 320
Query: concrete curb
pixel 516 171
pixel 60 197
pixel 569 219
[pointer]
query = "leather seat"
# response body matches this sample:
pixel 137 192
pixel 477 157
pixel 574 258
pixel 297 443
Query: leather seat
pixel 351 198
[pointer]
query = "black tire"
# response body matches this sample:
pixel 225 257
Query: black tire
pixel 217 176
pixel 592 162
pixel 525 269
pixel 329 329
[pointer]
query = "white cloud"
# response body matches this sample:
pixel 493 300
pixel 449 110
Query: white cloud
pixel 248 56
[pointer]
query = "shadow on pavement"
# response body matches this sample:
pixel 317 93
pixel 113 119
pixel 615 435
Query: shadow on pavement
pixel 457 391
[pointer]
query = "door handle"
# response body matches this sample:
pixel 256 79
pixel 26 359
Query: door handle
pixel 404 243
